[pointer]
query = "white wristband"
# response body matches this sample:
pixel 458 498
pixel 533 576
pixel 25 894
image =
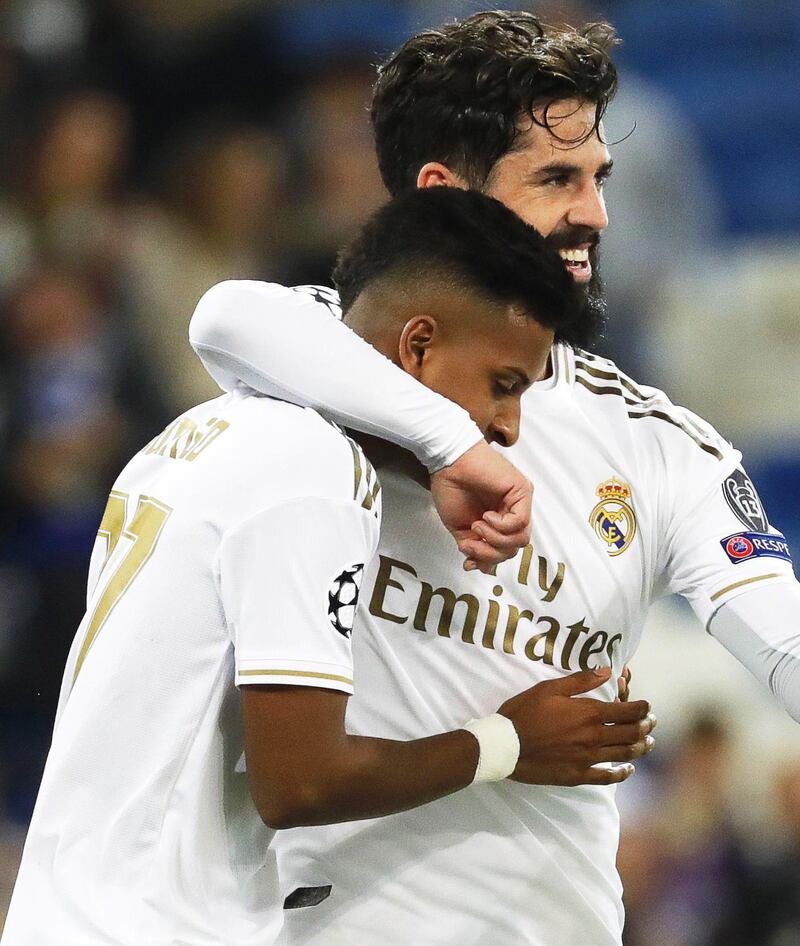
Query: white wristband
pixel 498 744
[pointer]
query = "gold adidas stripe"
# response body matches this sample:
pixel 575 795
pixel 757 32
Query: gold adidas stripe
pixel 675 423
pixel 615 376
pixel 652 412
pixel 295 673
pixel 744 581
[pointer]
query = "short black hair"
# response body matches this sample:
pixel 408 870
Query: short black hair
pixel 471 240
pixel 456 94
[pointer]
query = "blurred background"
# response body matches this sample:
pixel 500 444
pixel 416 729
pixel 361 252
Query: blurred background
pixel 150 148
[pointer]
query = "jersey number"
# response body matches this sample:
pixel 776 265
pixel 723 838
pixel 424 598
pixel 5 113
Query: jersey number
pixel 142 533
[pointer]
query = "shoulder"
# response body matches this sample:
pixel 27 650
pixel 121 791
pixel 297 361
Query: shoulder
pixel 308 449
pixel 264 452
pixel 646 413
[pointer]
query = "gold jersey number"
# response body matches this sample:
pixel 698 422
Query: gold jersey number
pixel 142 535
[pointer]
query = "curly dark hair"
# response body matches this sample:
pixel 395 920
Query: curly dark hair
pixel 467 239
pixel 456 94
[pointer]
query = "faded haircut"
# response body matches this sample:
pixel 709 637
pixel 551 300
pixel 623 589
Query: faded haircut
pixel 466 239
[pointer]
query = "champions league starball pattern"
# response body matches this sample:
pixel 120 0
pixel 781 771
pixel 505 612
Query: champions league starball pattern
pixel 343 598
pixel 324 295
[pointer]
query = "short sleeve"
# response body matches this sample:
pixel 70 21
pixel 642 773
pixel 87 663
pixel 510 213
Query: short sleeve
pixel 289 579
pixel 720 541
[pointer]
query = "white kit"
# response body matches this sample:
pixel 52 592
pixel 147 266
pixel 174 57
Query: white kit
pixel 230 553
pixel 634 498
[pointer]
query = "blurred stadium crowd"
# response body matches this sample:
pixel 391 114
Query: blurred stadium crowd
pixel 150 148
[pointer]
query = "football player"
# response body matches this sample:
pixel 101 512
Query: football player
pixel 635 498
pixel 204 694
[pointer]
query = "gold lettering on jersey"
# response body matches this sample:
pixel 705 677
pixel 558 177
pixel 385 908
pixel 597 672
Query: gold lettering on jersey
pixel 575 630
pixel 514 617
pixel 183 440
pixel 456 617
pixel 547 639
pixel 613 519
pixel 613 641
pixel 492 618
pixel 595 645
pixel 384 581
pixel 525 564
pixel 449 602
pixel 217 428
pixel 550 588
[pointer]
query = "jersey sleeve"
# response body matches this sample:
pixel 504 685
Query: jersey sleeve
pixel 288 343
pixel 289 580
pixel 762 630
pixel 718 542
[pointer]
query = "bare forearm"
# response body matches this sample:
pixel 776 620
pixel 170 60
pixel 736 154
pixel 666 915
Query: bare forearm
pixel 370 778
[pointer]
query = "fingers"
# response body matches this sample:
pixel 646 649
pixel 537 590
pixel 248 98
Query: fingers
pixel 581 682
pixel 513 517
pixel 512 521
pixel 625 712
pixel 624 753
pixel 483 554
pixel 509 543
pixel 628 733
pixel 623 685
pixel 611 776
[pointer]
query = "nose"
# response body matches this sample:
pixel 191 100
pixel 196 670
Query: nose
pixel 504 428
pixel 589 209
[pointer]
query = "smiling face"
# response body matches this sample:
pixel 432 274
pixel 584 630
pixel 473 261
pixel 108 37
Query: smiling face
pixel 554 180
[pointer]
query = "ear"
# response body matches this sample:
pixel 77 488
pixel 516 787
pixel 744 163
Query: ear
pixel 415 343
pixel 434 174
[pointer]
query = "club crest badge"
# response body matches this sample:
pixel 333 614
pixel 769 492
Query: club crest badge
pixel 613 518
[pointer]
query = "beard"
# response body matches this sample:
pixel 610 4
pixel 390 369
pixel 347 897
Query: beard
pixel 589 327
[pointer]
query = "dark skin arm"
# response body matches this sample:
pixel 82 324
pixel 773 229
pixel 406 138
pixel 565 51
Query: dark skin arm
pixel 304 768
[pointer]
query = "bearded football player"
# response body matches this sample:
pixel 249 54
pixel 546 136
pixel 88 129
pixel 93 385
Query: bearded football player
pixel 635 498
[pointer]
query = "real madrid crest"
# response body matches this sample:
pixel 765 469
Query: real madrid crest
pixel 612 518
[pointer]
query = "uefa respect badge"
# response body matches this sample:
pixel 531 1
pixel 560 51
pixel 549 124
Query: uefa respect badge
pixel 744 546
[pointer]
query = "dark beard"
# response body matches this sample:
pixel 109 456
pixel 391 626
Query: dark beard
pixel 587 330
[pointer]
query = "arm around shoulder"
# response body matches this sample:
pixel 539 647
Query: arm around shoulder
pixel 288 344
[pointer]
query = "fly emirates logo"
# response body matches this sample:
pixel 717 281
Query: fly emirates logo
pixel 402 596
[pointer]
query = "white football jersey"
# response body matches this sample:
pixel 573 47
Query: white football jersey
pixel 230 553
pixel 634 498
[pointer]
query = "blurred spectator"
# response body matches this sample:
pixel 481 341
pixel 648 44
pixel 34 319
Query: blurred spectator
pixel 76 410
pixel 222 215
pixel 766 911
pixel 340 184
pixel 727 336
pixel 681 861
pixel 67 201
pixel 663 210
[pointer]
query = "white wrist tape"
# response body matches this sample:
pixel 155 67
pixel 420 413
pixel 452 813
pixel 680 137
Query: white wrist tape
pixel 498 743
